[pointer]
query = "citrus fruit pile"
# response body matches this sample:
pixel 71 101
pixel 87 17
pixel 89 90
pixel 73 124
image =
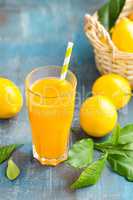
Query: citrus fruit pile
pixel 98 114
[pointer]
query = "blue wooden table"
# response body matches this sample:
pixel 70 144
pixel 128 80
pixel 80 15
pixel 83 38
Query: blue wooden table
pixel 35 33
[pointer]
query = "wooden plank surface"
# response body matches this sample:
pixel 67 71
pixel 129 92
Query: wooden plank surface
pixel 35 33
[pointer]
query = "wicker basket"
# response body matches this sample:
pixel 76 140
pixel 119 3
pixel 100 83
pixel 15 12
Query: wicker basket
pixel 108 58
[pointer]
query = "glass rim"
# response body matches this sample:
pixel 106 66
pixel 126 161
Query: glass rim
pixel 46 67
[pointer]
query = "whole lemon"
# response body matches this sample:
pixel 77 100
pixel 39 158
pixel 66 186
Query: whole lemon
pixel 115 87
pixel 10 99
pixel 122 35
pixel 98 116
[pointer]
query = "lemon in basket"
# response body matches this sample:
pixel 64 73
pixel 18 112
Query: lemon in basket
pixel 122 35
pixel 115 87
pixel 10 99
pixel 98 116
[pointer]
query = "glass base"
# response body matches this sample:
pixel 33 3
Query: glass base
pixel 47 161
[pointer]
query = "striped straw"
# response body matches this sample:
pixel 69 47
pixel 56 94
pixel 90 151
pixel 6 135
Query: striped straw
pixel 66 60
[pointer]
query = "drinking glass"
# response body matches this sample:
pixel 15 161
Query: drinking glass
pixel 50 117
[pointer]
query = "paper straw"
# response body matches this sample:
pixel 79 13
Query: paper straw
pixel 66 60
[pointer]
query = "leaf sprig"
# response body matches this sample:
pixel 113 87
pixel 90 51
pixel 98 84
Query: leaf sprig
pixel 117 150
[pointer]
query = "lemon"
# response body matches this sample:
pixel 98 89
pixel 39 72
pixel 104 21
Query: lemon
pixel 115 87
pixel 98 116
pixel 10 99
pixel 122 35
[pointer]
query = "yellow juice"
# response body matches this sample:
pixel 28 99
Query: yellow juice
pixel 51 117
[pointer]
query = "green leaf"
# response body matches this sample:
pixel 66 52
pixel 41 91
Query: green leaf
pixel 122 165
pixel 115 8
pixel 102 146
pixel 6 151
pixel 12 171
pixel 109 13
pixel 116 134
pixel 81 153
pixel 125 150
pixel 128 146
pixel 126 134
pixel 103 14
pixel 91 174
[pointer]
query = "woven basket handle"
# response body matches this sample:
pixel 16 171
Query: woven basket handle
pixel 95 31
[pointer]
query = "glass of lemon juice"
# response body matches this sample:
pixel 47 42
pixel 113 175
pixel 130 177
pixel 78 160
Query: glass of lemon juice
pixel 50 103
